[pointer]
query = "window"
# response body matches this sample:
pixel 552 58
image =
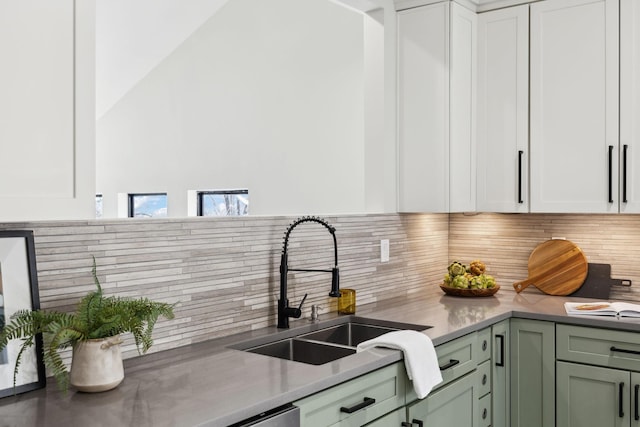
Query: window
pixel 99 211
pixel 148 205
pixel 223 203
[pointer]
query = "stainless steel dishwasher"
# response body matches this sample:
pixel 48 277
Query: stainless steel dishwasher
pixel 284 416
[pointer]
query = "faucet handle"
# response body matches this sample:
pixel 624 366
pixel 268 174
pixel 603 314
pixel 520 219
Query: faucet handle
pixel 295 312
pixel 302 302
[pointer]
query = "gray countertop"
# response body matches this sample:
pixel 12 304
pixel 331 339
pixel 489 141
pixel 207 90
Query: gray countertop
pixel 213 385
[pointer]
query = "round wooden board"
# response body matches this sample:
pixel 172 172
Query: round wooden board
pixel 556 267
pixel 459 292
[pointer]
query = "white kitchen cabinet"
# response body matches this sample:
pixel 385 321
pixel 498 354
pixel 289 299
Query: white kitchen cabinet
pixel 503 110
pixel 629 106
pixel 436 108
pixel 47 160
pixel 574 106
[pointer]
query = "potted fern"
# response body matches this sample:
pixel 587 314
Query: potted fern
pixel 93 331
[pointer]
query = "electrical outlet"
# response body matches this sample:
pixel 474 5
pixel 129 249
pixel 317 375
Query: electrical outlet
pixel 384 250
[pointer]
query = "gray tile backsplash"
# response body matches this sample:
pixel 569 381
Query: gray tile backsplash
pixel 223 272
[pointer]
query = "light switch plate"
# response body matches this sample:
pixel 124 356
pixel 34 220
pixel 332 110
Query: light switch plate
pixel 384 250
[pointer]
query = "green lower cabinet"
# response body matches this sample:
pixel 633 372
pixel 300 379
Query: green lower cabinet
pixel 593 396
pixel 500 375
pixel 356 402
pixel 532 373
pixel 455 404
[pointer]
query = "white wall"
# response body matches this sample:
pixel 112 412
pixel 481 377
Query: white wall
pixel 265 95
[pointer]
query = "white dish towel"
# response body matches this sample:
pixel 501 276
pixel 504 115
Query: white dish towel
pixel 420 359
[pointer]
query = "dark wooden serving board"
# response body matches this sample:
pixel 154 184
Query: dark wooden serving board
pixel 598 283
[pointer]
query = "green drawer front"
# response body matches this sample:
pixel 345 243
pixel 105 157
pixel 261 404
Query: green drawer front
pixel 462 350
pixel 484 345
pixel 386 386
pixel 484 411
pixel 484 378
pixel 594 346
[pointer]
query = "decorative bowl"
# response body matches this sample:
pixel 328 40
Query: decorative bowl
pixel 459 292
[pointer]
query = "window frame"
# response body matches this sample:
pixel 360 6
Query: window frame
pixel 201 193
pixel 131 196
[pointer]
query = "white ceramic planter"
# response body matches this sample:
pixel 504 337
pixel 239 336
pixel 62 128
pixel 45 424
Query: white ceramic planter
pixel 97 365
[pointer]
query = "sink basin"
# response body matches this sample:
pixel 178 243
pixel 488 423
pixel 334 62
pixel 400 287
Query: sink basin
pixel 303 351
pixel 349 334
pixel 317 344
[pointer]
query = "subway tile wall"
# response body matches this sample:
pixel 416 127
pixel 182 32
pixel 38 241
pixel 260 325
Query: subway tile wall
pixel 223 272
pixel 505 241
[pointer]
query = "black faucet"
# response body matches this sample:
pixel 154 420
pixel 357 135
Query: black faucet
pixel 284 311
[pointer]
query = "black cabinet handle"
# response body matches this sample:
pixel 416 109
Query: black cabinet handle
pixel 620 397
pixel 484 379
pixel 625 147
pixel 484 414
pixel 635 402
pixel 368 401
pixel 501 361
pixel 484 345
pixel 520 154
pixel 624 350
pixel 406 424
pixel 452 363
pixel 611 174
pixel 418 422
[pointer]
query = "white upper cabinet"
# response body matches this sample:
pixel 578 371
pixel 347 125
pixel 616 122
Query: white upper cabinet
pixel 629 106
pixel 574 106
pixel 47 164
pixel 436 108
pixel 503 110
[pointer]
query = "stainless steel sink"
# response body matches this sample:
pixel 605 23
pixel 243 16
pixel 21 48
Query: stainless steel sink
pixel 303 351
pixel 349 334
pixel 317 344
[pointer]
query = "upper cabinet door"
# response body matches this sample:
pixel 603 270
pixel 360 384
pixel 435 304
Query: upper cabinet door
pixel 574 106
pixel 629 106
pixel 423 109
pixel 503 110
pixel 46 110
pixel 462 108
pixel 436 109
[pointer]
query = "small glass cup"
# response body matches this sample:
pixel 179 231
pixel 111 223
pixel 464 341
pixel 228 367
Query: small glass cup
pixel 347 301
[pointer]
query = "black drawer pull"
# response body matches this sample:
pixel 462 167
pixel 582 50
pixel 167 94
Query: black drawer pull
pixel 620 397
pixel 501 361
pixel 635 402
pixel 368 401
pixel 406 424
pixel 418 422
pixel 624 350
pixel 451 364
pixel 484 414
pixel 484 379
pixel 484 345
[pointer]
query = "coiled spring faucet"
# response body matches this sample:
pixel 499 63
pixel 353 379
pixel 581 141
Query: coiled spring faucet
pixel 284 311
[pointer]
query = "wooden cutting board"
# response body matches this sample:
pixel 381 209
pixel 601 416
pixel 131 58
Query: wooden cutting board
pixel 556 267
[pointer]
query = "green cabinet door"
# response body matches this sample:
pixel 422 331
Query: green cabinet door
pixel 500 364
pixel 592 396
pixel 635 399
pixel 455 404
pixel 532 373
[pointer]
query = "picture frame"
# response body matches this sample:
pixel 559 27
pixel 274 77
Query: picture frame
pixel 19 291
